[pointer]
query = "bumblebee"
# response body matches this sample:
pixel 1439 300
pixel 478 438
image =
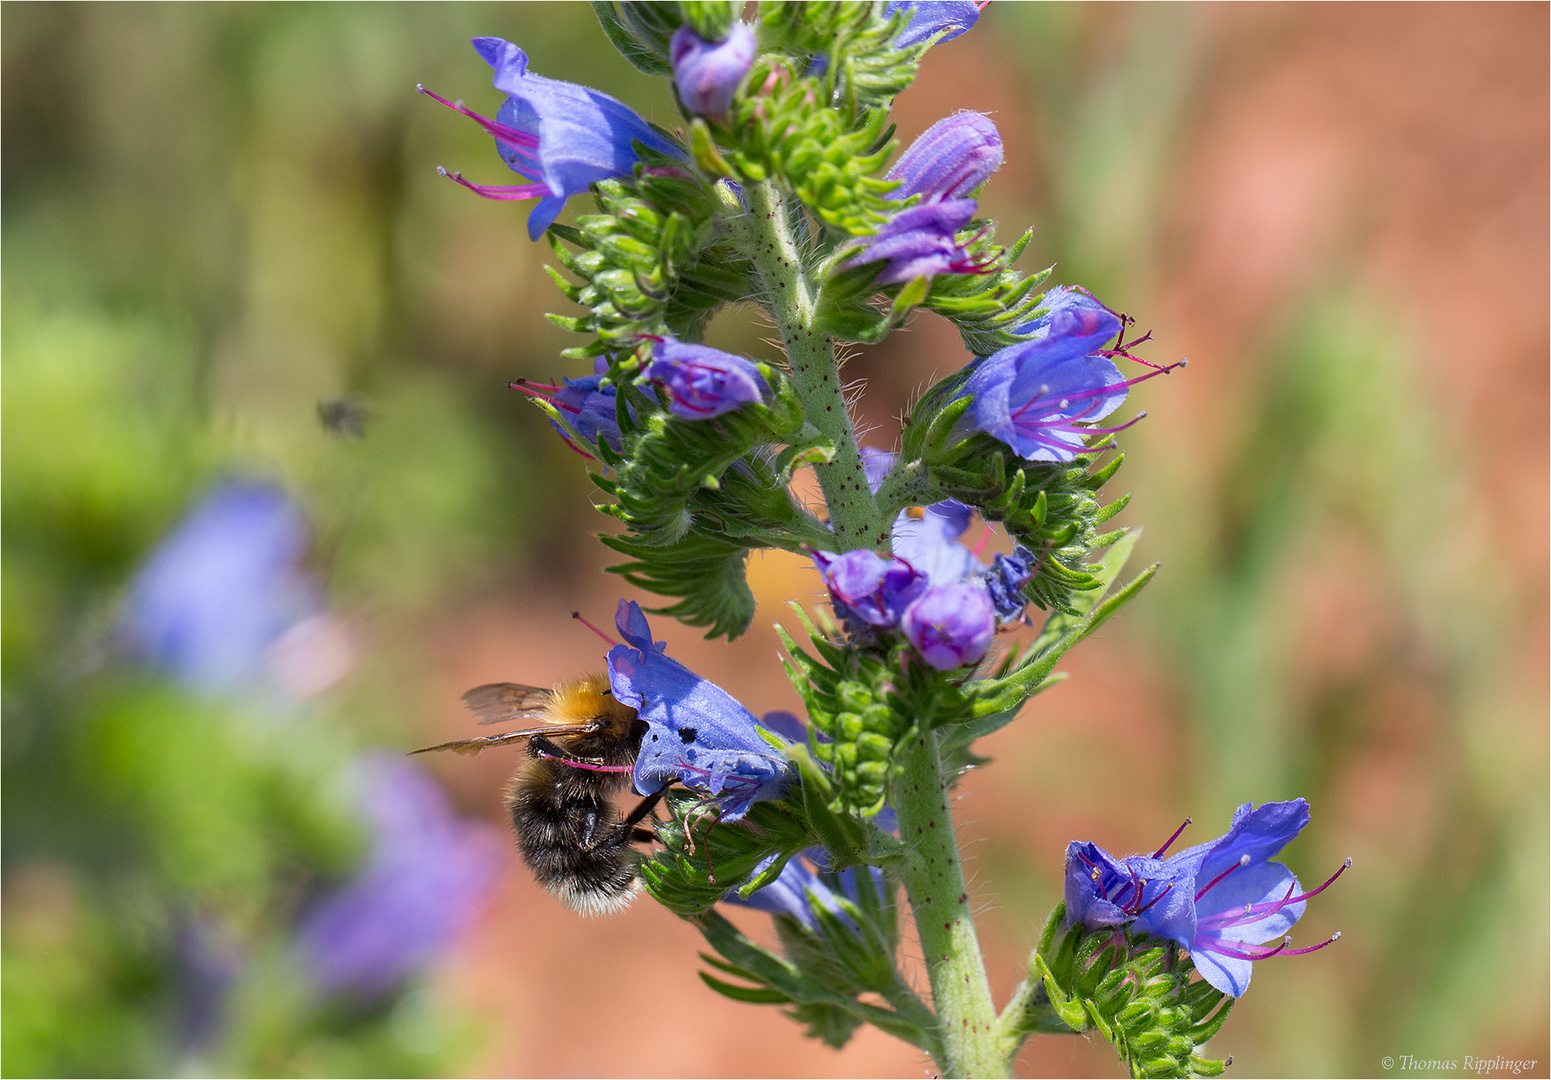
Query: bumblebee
pixel 561 797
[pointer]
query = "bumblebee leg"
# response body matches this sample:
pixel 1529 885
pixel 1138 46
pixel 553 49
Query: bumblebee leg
pixel 646 806
pixel 643 836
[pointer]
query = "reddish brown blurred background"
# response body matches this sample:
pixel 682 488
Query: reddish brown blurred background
pixel 1339 213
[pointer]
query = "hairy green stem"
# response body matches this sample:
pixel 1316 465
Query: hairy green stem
pixel 972 1039
pixel 790 294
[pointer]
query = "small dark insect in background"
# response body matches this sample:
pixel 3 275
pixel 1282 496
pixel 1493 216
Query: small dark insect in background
pixel 345 417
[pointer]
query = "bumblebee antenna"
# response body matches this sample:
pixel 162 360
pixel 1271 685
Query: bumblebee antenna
pixel 577 615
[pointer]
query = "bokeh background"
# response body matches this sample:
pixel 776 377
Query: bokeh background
pixel 218 216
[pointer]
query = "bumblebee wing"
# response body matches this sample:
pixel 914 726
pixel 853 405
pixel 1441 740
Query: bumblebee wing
pixel 484 742
pixel 503 702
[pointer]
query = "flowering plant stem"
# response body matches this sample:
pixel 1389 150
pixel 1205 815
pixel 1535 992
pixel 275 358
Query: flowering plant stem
pixel 934 882
pixel 933 874
pixel 791 296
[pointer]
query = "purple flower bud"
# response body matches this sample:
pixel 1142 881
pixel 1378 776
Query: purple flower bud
pixel 932 17
pixel 874 588
pixel 703 382
pixel 920 242
pixel 707 73
pixel 951 625
pixel 222 588
pixel 950 160
pixel 557 135
pixel 427 875
pixel 1219 900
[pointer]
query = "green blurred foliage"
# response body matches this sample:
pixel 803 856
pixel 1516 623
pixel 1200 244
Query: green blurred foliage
pixel 217 218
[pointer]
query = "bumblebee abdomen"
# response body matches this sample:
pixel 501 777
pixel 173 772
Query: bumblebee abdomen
pixel 573 841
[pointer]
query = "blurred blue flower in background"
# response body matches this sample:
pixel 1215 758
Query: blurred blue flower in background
pixel 427 875
pixel 223 588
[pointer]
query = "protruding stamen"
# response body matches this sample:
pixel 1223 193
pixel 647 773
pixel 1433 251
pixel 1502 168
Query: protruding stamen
pixel 1170 841
pixel 500 192
pixel 1331 940
pixel 1155 899
pixel 577 615
pixel 520 140
pixel 1256 912
pixel 1243 861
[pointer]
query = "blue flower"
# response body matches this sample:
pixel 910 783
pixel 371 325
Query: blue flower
pixel 797 893
pixel 559 136
pixel 927 538
pixel 878 590
pixel 951 625
pixel 920 242
pixel 875 589
pixel 1220 900
pixel 950 160
pixel 703 382
pixel 707 73
pixel 426 876
pixel 222 588
pixel 1041 396
pixel 801 891
pixel 697 733
pixel 878 463
pixel 585 407
pixel 950 18
pixel 1005 581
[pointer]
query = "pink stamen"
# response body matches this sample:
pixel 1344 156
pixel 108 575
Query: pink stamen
pixel 500 192
pixel 1155 899
pixel 520 141
pixel 985 538
pixel 1170 841
pixel 1256 912
pixel 1244 861
pixel 1331 940
pixel 579 617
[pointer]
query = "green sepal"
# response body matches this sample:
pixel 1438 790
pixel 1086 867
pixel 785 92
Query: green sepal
pixel 703 147
pixel 1051 508
pixel 997 700
pixel 843 835
pixel 705 573
pixel 641 32
pixel 851 699
pixel 815 1004
pixel 703 858
pixel 710 19
pixel 1136 991
pixel 988 307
